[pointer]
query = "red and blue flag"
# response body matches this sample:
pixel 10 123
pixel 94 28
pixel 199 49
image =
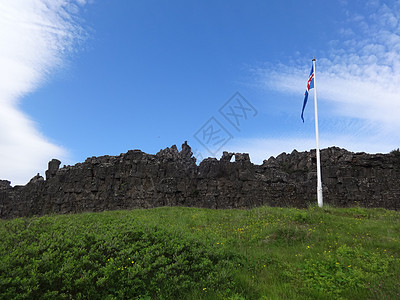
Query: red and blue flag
pixel 310 85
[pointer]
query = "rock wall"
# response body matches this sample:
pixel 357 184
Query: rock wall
pixel 172 178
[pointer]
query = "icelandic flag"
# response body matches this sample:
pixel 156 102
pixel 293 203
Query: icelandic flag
pixel 310 85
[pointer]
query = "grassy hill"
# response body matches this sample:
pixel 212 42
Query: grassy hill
pixel 189 253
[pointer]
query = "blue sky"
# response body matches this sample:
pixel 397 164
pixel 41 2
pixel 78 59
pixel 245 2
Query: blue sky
pixel 85 78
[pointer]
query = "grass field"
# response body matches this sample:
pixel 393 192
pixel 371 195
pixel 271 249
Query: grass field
pixel 190 253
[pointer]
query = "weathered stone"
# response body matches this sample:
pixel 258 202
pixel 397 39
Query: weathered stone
pixel 226 156
pixel 186 152
pixel 242 157
pixel 5 184
pixel 54 164
pixel 139 180
pixel 36 178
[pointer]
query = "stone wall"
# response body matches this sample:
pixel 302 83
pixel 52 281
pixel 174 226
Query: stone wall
pixel 172 178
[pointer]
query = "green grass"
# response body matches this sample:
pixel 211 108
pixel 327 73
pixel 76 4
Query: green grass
pixel 189 253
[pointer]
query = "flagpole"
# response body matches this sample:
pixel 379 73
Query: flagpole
pixel 319 181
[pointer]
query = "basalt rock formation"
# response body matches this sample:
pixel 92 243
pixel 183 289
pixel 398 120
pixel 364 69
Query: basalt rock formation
pixel 172 178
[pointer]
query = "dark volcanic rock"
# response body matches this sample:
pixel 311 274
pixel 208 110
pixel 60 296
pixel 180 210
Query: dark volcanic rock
pixel 172 178
pixel 54 164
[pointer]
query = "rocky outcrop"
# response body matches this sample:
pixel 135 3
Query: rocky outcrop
pixel 172 178
pixel 52 169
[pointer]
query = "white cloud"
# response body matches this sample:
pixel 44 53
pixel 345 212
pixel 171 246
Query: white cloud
pixel 35 36
pixel 360 78
pixel 24 151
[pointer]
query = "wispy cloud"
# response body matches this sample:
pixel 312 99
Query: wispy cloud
pixel 36 36
pixel 359 78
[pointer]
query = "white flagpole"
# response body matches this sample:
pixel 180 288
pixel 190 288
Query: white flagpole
pixel 319 181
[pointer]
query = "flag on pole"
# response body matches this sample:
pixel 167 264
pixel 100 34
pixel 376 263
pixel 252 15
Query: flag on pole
pixel 310 85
